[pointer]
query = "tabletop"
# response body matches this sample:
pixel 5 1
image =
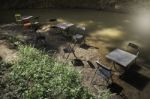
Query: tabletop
pixel 121 57
pixel 64 25
pixel 27 17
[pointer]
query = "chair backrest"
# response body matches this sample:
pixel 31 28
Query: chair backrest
pixel 18 17
pixel 81 30
pixel 35 19
pixel 106 73
pixel 52 20
pixel 135 47
pixel 78 38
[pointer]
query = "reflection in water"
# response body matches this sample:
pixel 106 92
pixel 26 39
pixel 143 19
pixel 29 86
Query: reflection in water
pixel 107 27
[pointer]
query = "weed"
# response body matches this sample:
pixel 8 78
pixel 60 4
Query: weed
pixel 38 76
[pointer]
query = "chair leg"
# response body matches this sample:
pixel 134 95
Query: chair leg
pixel 70 48
pixel 93 76
pixel 68 56
pixel 115 66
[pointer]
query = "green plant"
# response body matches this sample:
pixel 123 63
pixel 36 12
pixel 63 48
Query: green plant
pixel 37 76
pixel 103 93
pixel 106 94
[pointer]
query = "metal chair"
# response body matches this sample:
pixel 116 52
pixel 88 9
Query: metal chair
pixel 104 72
pixel 35 23
pixel 52 20
pixel 78 38
pixel 18 18
pixel 31 23
pixel 82 31
pixel 71 48
pixel 133 49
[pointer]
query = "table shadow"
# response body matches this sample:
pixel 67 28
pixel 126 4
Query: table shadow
pixel 77 62
pixel 135 79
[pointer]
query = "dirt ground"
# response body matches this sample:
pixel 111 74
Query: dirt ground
pixel 133 84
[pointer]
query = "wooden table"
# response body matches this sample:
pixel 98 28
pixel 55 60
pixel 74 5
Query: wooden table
pixel 121 57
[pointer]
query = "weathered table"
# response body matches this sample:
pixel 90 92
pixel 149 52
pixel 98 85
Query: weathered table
pixel 64 26
pixel 26 18
pixel 121 57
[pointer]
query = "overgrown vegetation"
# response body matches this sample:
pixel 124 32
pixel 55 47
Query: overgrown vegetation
pixel 38 76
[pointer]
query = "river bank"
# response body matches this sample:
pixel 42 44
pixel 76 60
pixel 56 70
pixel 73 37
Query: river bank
pixel 112 29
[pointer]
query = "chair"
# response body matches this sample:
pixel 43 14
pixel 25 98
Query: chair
pixel 36 19
pixel 78 38
pixel 31 23
pixel 82 31
pixel 35 23
pixel 104 72
pixel 133 49
pixel 71 48
pixel 52 20
pixel 18 18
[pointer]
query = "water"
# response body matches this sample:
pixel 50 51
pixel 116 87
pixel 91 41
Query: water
pixel 112 29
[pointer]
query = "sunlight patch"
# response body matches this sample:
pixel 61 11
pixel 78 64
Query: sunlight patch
pixel 109 32
pixel 86 23
pixel 61 20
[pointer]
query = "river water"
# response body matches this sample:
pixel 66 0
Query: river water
pixel 112 29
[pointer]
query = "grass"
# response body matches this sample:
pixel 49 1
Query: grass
pixel 38 76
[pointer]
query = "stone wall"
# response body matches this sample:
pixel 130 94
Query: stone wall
pixel 118 5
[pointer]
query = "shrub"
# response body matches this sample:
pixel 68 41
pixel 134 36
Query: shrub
pixel 38 76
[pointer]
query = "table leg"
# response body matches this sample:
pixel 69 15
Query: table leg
pixel 120 70
pixel 116 71
pixel 114 65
